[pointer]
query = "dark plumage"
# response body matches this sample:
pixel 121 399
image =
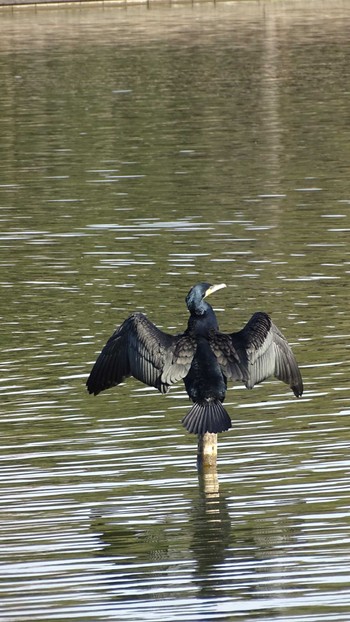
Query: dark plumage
pixel 202 356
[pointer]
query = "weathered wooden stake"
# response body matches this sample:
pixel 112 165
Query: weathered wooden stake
pixel 206 462
pixel 207 450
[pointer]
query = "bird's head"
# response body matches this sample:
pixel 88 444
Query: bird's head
pixel 196 295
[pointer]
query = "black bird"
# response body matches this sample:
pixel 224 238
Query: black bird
pixel 203 357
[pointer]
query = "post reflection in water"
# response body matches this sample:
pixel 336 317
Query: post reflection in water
pixel 211 530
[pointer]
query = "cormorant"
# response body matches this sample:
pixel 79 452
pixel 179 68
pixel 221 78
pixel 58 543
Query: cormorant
pixel 203 357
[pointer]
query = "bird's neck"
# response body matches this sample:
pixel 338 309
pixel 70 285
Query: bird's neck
pixel 202 320
pixel 200 308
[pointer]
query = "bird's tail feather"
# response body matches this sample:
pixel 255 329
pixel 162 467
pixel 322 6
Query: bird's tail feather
pixel 210 416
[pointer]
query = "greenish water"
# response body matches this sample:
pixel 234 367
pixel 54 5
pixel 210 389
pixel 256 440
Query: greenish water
pixel 143 151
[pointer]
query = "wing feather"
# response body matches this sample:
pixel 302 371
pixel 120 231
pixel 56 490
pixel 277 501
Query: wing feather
pixel 227 355
pixel 138 348
pixel 256 352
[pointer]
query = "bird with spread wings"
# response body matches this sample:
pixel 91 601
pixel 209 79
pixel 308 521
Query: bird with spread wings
pixel 203 357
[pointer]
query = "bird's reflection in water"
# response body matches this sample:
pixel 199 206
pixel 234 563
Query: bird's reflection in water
pixel 154 543
pixel 245 556
pixel 200 533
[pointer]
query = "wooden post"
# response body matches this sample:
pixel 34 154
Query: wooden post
pixel 207 450
pixel 206 462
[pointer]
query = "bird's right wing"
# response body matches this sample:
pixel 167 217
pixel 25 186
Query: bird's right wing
pixel 256 352
pixel 138 348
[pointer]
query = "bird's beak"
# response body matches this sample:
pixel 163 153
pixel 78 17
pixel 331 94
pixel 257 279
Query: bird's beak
pixel 214 288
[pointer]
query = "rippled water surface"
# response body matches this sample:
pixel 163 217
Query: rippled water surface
pixel 144 150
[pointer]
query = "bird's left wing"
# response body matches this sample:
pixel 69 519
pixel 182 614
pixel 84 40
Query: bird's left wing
pixel 256 352
pixel 138 348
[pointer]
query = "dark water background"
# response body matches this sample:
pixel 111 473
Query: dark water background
pixel 143 150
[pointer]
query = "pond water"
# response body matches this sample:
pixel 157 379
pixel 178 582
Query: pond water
pixel 144 150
